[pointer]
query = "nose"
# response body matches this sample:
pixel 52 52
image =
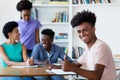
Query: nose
pixel 27 18
pixel 44 42
pixel 81 34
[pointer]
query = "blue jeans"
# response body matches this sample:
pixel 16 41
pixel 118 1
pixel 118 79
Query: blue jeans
pixel 49 78
pixel 17 78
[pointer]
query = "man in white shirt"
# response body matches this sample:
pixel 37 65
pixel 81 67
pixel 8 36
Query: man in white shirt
pixel 97 59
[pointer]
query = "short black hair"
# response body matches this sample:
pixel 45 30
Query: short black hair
pixel 24 5
pixel 48 32
pixel 84 16
pixel 8 27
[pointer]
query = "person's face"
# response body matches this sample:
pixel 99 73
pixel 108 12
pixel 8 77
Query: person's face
pixel 14 35
pixel 86 32
pixel 25 14
pixel 47 41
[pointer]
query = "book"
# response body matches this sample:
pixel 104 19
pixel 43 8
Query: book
pixel 61 36
pixel 75 2
pixel 77 52
pixel 65 49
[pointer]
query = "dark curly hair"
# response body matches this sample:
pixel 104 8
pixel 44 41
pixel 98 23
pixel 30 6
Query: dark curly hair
pixel 48 32
pixel 24 5
pixel 8 27
pixel 84 16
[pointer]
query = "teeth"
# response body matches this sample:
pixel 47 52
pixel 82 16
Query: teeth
pixel 44 45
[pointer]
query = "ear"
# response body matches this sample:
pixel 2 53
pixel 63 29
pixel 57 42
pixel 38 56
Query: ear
pixel 94 29
pixel 52 41
pixel 9 34
pixel 21 15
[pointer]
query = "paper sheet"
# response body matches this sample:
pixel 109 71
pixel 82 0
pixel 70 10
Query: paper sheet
pixel 59 71
pixel 24 66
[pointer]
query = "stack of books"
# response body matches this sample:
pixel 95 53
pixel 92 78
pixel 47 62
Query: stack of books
pixel 61 36
pixel 65 49
pixel 61 17
pixel 90 1
pixel 58 2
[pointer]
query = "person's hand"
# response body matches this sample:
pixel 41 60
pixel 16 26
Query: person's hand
pixel 46 62
pixel 54 67
pixel 29 62
pixel 66 65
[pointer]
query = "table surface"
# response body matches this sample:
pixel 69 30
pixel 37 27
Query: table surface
pixel 9 71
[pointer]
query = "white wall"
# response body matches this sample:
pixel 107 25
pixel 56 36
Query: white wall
pixel 8 12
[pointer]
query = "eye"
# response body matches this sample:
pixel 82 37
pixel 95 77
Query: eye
pixel 85 30
pixel 78 31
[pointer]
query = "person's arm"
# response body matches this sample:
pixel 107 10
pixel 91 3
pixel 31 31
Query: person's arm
pixel 91 75
pixel 36 53
pixel 62 54
pixel 24 53
pixel 37 36
pixel 8 62
pixel 77 64
pixel 25 57
pixel 42 62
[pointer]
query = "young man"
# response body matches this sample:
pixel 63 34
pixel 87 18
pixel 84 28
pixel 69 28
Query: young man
pixel 46 53
pixel 97 58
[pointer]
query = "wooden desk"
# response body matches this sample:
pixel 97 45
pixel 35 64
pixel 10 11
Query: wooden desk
pixel 9 71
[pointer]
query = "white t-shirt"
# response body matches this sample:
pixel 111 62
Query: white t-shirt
pixel 99 53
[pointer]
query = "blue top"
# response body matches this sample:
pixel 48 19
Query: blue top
pixel 27 31
pixel 13 52
pixel 40 54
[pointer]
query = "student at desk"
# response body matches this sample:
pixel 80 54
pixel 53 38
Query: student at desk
pixel 12 52
pixel 97 58
pixel 46 53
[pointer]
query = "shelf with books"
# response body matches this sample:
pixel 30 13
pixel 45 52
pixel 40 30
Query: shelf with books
pixel 77 52
pixel 95 5
pixel 91 1
pixel 51 5
pixel 55 15
pixel 52 14
pixel 48 14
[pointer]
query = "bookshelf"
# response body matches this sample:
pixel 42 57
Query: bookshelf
pixel 51 16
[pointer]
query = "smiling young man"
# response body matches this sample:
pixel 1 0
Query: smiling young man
pixel 47 53
pixel 97 58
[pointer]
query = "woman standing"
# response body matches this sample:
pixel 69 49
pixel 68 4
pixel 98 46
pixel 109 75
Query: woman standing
pixel 28 27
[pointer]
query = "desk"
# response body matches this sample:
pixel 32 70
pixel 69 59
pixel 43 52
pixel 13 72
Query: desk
pixel 9 71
